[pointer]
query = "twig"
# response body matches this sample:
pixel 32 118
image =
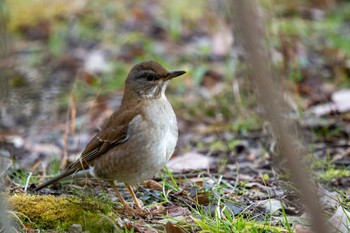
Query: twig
pixel 73 113
pixel 65 145
pixel 27 182
pixel 252 30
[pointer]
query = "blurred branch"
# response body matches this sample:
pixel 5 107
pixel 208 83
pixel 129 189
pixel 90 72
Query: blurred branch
pixel 3 29
pixel 4 52
pixel 4 221
pixel 251 27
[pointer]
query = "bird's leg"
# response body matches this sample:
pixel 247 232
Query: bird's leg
pixel 139 210
pixel 122 200
pixel 134 198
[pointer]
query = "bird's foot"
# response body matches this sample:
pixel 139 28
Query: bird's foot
pixel 146 213
pixel 143 212
pixel 137 212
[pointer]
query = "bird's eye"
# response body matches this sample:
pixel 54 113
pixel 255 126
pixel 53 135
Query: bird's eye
pixel 150 77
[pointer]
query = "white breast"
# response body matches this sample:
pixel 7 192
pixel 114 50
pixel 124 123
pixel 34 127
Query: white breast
pixel 160 122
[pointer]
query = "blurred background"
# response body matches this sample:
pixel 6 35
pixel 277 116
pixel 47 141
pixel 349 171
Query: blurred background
pixel 63 65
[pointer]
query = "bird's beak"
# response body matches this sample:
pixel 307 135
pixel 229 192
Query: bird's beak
pixel 173 74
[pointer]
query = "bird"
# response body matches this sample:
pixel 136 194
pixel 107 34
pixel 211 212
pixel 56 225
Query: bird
pixel 138 138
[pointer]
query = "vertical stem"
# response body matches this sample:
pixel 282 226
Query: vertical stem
pixel 251 27
pixel 5 224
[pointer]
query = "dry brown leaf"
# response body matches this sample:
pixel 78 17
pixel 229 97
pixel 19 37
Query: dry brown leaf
pixel 171 228
pixel 174 211
pixel 153 185
pixel 201 199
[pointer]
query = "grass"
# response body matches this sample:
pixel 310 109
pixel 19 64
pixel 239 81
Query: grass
pixel 221 217
pixel 223 220
pixel 325 170
pixel 59 213
pixel 333 173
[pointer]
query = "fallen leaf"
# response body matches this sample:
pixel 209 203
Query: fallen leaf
pixel 174 211
pixel 201 199
pixel 235 208
pixel 171 228
pixel 340 220
pixel 271 205
pixel 153 185
pixel 189 161
pixel 340 103
pixel 129 225
pixel 328 200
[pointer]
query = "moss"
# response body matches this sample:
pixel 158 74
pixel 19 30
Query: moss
pixel 59 213
pixel 333 173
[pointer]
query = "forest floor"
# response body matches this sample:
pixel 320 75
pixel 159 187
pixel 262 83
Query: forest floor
pixel 65 68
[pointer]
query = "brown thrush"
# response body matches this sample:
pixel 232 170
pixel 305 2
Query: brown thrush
pixel 138 139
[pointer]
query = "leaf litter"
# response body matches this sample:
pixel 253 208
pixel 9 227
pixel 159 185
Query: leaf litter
pixel 221 163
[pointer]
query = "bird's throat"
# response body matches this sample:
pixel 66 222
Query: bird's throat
pixel 153 92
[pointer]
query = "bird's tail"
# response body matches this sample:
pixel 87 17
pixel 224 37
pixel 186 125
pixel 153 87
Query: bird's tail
pixel 55 179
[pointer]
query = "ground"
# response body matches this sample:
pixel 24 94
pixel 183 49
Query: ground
pixel 63 71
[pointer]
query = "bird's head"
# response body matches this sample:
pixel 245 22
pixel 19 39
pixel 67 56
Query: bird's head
pixel 149 80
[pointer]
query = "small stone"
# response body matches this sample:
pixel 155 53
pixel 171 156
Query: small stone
pixel 75 228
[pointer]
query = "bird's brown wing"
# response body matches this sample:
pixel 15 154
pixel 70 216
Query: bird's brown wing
pixel 112 134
